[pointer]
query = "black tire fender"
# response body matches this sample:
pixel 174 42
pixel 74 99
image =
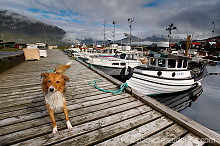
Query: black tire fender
pixel 129 75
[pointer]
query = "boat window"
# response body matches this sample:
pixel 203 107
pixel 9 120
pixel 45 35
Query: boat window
pixel 161 62
pixel 123 64
pixel 131 57
pixel 134 56
pixel 179 63
pixel 128 56
pixel 171 63
pixel 115 63
pixel 153 61
pixel 184 63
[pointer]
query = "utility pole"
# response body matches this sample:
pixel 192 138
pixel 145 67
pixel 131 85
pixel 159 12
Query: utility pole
pixel 130 20
pixel 11 32
pixel 44 36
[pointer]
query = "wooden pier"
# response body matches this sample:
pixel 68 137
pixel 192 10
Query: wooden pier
pixel 98 118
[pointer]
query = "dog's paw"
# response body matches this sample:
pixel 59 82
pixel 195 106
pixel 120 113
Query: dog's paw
pixel 54 130
pixel 69 126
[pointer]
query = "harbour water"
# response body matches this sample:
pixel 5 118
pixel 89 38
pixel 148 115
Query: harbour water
pixel 206 109
pixel 201 104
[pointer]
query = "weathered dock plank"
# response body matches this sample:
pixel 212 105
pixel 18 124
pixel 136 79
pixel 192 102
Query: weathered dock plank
pixel 164 137
pixel 100 129
pixel 98 118
pixel 79 116
pixel 34 115
pixel 139 133
pixel 189 139
pixel 37 130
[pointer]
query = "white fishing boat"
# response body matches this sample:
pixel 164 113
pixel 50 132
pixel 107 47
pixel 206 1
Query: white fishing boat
pixel 121 64
pixel 162 74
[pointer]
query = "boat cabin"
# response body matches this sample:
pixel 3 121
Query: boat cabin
pixel 129 55
pixel 169 62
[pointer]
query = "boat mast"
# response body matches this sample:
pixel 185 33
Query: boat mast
pixel 213 32
pixel 114 22
pixel 104 34
pixel 171 27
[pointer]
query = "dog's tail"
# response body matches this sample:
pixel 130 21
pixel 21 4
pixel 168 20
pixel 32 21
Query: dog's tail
pixel 62 68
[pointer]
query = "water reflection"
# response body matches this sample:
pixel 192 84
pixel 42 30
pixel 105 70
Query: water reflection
pixel 177 101
pixel 181 100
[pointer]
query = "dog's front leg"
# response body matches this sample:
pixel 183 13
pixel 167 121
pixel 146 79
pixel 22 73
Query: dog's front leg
pixel 51 113
pixel 65 110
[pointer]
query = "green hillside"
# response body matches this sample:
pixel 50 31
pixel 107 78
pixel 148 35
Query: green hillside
pixel 21 29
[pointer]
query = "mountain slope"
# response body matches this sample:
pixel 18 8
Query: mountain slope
pixel 21 29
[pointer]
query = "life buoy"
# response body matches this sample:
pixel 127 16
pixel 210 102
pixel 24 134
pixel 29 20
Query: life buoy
pixel 130 73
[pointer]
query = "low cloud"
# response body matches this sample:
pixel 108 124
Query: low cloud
pixel 86 18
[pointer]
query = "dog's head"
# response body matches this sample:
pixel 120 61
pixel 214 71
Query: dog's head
pixel 53 82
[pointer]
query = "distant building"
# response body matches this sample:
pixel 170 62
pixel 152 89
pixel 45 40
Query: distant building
pixel 52 47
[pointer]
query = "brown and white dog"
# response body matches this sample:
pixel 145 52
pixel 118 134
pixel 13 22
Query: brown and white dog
pixel 53 88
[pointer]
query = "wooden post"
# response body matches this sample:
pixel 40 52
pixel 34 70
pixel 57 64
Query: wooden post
pixel 188 44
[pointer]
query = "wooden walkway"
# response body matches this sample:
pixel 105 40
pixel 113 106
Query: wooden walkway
pixel 98 118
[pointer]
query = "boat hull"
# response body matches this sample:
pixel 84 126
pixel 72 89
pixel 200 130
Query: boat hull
pixel 112 71
pixel 151 85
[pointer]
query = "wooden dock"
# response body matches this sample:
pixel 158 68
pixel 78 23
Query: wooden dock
pixel 98 118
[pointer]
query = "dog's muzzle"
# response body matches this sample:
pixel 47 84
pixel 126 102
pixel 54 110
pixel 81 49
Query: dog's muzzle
pixel 51 89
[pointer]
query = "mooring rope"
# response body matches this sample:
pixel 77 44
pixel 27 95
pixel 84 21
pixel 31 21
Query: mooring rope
pixel 122 87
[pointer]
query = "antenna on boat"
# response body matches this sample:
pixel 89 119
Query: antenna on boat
pixel 171 27
pixel 130 20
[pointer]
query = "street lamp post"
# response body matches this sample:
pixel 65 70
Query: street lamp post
pixel 171 27
pixel 130 20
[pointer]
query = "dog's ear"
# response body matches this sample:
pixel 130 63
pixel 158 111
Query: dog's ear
pixel 44 75
pixel 65 78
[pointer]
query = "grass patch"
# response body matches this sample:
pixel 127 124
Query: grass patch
pixel 11 49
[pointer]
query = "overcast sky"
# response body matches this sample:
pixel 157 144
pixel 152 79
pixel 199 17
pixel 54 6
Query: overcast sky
pixel 86 17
